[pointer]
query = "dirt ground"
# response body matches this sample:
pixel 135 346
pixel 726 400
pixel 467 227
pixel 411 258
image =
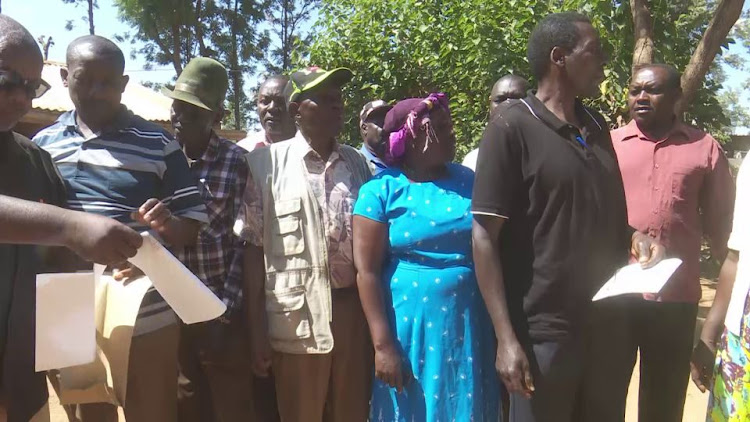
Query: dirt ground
pixel 695 404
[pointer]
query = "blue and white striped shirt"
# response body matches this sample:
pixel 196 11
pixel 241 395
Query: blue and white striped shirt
pixel 115 172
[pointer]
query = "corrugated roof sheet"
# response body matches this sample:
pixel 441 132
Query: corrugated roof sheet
pixel 142 101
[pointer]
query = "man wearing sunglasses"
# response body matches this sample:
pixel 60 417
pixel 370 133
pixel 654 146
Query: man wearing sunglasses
pixel 29 188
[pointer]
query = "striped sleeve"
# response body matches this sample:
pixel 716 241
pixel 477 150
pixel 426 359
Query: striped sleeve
pixel 180 187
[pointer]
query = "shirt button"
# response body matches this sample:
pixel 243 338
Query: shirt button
pixel 656 165
pixel 654 211
pixel 656 188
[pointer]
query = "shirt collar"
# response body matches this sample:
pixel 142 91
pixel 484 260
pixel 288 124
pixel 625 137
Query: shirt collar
pixel 632 131
pixel 260 137
pixel 122 120
pixel 211 153
pixel 303 149
pixel 541 112
pixel 372 158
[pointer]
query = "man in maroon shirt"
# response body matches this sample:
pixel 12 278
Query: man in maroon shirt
pixel 678 187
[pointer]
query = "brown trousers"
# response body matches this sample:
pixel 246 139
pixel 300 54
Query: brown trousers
pixel 152 381
pixel 332 387
pixel 215 383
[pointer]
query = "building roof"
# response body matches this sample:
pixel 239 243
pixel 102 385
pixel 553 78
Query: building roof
pixel 143 101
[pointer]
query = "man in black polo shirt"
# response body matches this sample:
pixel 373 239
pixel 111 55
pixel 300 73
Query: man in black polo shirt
pixel 29 188
pixel 550 222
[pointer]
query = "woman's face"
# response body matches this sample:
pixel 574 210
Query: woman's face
pixel 441 137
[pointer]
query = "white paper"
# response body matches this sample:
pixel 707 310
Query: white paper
pixel 191 300
pixel 65 320
pixel 105 379
pixel 634 279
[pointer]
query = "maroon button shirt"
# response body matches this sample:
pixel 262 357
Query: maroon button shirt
pixel 677 189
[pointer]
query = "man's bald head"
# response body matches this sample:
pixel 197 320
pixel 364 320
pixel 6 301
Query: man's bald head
pixel 21 63
pixel 507 87
pixel 14 38
pixel 95 47
pixel 95 80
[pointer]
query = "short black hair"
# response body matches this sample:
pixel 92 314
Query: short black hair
pixel 673 75
pixel 555 30
pixel 99 46
pixel 15 38
pixel 281 79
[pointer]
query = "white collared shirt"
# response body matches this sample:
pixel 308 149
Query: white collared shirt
pixel 739 241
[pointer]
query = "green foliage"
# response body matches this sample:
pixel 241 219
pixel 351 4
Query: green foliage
pixel 172 32
pixel 406 48
pixel 285 18
pixel 89 18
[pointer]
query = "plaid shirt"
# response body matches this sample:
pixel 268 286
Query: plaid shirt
pixel 216 258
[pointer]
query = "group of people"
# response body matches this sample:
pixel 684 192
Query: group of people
pixel 386 283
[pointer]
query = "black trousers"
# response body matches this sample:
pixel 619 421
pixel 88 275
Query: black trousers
pixel 663 332
pixel 557 368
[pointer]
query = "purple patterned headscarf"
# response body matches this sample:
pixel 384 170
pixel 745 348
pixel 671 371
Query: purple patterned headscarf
pixel 403 123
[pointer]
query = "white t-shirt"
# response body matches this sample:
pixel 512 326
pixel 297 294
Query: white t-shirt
pixel 739 241
pixel 470 160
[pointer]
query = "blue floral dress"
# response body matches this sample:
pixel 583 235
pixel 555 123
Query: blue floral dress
pixel 432 299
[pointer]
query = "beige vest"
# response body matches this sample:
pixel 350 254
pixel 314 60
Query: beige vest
pixel 298 287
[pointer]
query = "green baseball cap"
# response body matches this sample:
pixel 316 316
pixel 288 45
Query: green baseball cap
pixel 202 83
pixel 308 78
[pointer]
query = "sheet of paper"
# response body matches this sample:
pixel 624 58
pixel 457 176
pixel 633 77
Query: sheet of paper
pixel 191 300
pixel 65 326
pixel 105 379
pixel 634 279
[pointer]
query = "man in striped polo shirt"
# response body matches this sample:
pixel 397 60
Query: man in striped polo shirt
pixel 117 164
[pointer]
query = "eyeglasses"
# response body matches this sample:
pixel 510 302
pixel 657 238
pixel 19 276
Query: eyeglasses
pixel 11 80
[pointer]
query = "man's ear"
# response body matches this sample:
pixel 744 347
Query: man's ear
pixel 64 76
pixel 124 81
pixel 293 110
pixel 557 56
pixel 219 117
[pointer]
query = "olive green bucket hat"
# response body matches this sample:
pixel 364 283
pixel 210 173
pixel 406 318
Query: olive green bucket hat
pixel 202 83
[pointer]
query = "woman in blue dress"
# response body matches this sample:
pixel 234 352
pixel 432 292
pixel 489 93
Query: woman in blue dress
pixel 434 357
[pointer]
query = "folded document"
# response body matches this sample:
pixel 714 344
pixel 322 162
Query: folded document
pixel 72 307
pixel 634 279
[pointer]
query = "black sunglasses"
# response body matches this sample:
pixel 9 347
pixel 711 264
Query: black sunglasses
pixel 11 80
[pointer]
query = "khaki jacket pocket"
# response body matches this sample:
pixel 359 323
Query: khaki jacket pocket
pixel 288 317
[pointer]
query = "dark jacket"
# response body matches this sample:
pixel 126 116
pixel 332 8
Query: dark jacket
pixel 26 172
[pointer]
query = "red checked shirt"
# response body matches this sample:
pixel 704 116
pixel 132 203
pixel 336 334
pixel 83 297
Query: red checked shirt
pixel 677 189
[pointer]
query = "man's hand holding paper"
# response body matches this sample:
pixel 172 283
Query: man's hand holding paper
pixel 634 278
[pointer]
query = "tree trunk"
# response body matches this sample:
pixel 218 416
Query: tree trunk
pixel 176 45
pixel 91 17
pixel 47 45
pixel 235 71
pixel 727 13
pixel 286 38
pixel 199 29
pixel 643 51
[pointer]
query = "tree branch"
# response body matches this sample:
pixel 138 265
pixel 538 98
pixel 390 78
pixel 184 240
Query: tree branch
pixel 199 29
pixel 727 13
pixel 643 51
pixel 91 17
pixel 176 45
